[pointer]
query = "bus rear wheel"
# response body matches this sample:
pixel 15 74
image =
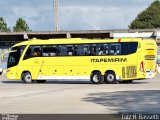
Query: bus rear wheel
pixel 26 77
pixel 110 77
pixel 96 78
pixel 40 81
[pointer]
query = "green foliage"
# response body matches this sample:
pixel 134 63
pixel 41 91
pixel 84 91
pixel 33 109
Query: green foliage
pixel 3 26
pixel 149 18
pixel 21 26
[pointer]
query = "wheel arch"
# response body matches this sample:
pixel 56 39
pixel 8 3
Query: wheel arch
pixel 107 71
pixel 96 71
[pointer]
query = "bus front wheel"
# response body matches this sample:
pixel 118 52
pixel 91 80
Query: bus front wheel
pixel 110 77
pixel 96 78
pixel 26 77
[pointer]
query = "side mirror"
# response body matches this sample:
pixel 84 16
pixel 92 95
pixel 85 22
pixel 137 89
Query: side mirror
pixel 7 53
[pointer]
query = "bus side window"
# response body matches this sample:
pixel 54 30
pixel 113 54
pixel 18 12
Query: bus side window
pixel 85 50
pixel 70 50
pixel 53 51
pixel 37 52
pixel 45 51
pixel 115 49
pixel 79 50
pixel 49 51
pixel 129 48
pixel 102 49
pixel 92 50
pixel 75 52
pixel 28 53
pixel 106 49
pixel 62 50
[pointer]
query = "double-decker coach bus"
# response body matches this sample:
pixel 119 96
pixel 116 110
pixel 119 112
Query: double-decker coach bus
pixel 105 60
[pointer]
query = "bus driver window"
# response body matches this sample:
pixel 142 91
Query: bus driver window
pixel 37 52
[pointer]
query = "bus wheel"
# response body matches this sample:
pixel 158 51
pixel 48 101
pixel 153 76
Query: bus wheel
pixel 110 77
pixel 40 81
pixel 96 78
pixel 26 77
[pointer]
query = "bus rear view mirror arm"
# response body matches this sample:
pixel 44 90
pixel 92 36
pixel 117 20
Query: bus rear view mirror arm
pixel 7 53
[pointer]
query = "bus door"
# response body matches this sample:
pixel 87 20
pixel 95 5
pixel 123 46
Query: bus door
pixel 32 60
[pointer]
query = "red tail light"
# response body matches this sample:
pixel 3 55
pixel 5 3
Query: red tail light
pixel 142 66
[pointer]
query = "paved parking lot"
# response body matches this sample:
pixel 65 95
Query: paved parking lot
pixel 79 97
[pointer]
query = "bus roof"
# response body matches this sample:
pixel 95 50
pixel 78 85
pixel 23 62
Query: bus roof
pixel 76 41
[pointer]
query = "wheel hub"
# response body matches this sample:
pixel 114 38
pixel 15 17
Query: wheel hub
pixel 110 77
pixel 95 78
pixel 28 78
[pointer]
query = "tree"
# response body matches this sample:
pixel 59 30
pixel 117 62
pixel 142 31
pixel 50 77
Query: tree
pixel 3 26
pixel 149 18
pixel 21 26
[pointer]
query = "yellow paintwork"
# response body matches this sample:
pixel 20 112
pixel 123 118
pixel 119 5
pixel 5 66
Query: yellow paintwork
pixel 82 66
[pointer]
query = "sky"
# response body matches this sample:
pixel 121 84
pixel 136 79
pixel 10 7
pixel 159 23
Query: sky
pixel 73 14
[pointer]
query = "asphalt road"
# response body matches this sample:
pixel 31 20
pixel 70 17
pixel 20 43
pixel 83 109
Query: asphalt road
pixel 79 96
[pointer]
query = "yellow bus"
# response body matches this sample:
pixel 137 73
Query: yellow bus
pixel 100 60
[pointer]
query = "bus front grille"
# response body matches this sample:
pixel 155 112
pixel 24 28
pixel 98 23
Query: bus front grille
pixel 129 72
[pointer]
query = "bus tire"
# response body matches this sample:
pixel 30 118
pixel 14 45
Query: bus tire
pixel 110 77
pixel 40 81
pixel 96 78
pixel 26 77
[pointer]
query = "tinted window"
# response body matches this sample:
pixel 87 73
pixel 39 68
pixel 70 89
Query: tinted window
pixel 92 50
pixel 82 49
pixel 124 48
pixel 49 50
pixel 115 49
pixel 37 51
pixel 85 49
pixel 14 57
pixel 102 49
pixel 33 51
pixel 28 53
pixel 62 50
pixel 129 48
pixel 79 50
pixel 70 50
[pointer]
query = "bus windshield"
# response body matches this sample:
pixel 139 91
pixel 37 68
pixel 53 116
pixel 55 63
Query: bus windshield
pixel 14 57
